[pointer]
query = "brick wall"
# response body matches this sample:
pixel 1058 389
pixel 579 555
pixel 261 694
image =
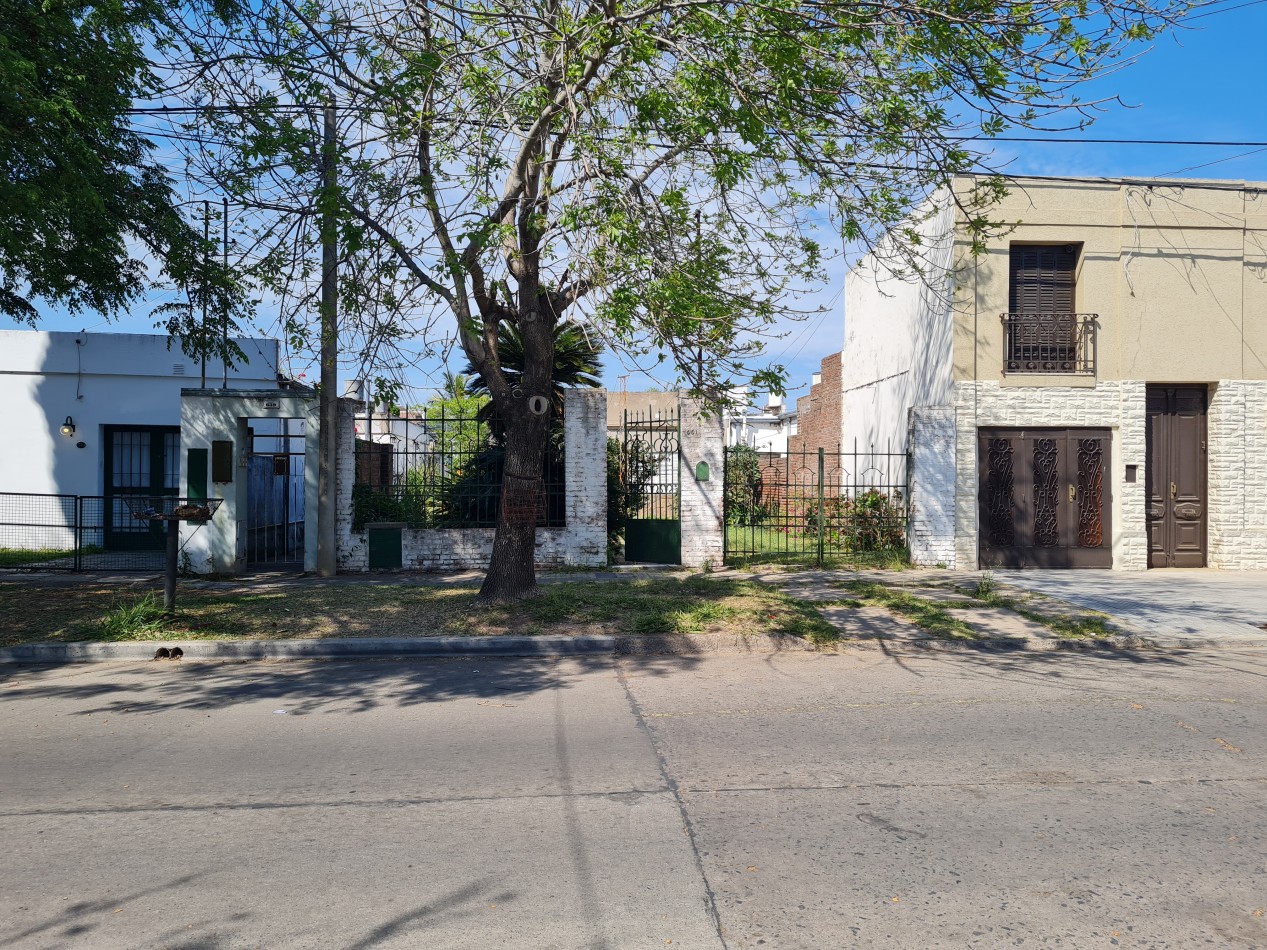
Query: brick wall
pixel 818 420
pixel 582 543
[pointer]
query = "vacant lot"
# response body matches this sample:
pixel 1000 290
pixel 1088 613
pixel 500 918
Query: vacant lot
pixel 90 610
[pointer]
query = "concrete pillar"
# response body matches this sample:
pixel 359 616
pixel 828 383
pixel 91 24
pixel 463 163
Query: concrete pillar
pixel 930 531
pixel 702 440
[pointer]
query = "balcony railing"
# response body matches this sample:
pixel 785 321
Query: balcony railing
pixel 1050 343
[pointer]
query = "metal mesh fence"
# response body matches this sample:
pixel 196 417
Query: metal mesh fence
pixel 815 506
pixel 75 533
pixel 443 471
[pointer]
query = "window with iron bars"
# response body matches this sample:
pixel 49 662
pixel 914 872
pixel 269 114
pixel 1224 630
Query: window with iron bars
pixel 442 471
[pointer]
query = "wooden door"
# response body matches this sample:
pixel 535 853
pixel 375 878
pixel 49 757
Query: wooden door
pixel 1175 478
pixel 1044 498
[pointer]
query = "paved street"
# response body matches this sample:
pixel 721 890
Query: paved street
pixel 947 800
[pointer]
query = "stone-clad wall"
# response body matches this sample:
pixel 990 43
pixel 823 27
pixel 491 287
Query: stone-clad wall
pixel 1118 406
pixel 1237 475
pixel 582 543
pixel 1236 465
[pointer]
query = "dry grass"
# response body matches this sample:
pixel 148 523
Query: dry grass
pixel 30 612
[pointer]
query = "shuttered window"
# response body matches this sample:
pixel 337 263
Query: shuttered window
pixel 1042 278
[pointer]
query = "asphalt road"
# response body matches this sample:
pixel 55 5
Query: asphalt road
pixel 963 800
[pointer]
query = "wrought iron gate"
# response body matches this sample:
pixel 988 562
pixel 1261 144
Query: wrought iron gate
pixel 650 470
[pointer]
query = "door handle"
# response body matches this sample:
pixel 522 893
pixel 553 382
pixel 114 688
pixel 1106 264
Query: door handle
pixel 1174 490
pixel 1073 494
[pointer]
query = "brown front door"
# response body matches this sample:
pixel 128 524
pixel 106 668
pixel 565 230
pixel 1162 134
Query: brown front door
pixel 1175 476
pixel 1044 498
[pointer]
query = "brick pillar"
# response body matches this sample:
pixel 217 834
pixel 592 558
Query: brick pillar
pixel 930 531
pixel 585 447
pixel 703 440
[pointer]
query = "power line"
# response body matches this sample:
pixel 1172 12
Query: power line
pixel 1038 139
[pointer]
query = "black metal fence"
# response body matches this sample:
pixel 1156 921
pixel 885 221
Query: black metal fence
pixel 815 506
pixel 444 471
pixel 75 533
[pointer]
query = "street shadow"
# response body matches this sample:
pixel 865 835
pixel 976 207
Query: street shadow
pixel 311 687
pixel 79 919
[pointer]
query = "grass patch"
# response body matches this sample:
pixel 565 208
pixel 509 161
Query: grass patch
pixel 138 618
pixel 36 557
pixel 1071 626
pixel 35 612
pixel 928 615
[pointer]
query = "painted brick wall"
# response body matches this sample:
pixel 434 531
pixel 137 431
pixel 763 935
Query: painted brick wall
pixel 1118 406
pixel 1237 475
pixel 818 423
pixel 702 440
pixel 931 526
pixel 582 543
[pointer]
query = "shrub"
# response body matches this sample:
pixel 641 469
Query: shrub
pixel 871 521
pixel 743 504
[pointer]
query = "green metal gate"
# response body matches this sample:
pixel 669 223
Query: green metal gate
pixel 650 466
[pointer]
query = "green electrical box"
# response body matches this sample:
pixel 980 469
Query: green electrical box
pixel 386 545
pixel 701 472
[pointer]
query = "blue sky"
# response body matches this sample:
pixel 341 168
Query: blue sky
pixel 1207 82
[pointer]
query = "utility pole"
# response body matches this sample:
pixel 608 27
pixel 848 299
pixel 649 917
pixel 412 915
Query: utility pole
pixel 328 464
pixel 224 318
pixel 206 263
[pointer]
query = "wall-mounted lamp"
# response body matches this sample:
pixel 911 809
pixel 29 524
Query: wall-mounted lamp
pixel 68 427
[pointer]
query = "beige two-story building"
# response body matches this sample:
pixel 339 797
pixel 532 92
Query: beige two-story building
pixel 1088 391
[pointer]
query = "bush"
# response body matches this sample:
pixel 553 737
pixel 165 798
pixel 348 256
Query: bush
pixel 871 521
pixel 743 504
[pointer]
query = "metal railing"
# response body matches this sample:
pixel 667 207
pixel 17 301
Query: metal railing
pixel 444 471
pixel 815 506
pixel 40 532
pixel 1050 343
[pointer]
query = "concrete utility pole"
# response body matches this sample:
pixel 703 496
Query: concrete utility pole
pixel 328 465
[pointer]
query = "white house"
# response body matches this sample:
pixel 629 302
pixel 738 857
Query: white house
pixel 83 411
pixel 97 415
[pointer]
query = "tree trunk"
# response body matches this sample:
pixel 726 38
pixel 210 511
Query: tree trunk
pixel 512 569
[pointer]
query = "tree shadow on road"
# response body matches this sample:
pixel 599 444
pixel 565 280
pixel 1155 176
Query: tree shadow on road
pixel 310 687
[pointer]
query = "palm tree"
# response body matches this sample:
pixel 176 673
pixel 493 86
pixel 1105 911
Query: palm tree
pixel 575 364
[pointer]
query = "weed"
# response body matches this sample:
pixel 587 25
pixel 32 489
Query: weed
pixel 134 620
pixel 986 588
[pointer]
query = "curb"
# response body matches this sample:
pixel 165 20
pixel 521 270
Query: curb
pixel 333 648
pixel 551 646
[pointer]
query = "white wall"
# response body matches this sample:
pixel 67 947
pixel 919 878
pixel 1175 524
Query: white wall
pixel 897 350
pixel 97 379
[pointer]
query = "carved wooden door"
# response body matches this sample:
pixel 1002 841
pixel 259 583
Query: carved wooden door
pixel 1176 476
pixel 1044 498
